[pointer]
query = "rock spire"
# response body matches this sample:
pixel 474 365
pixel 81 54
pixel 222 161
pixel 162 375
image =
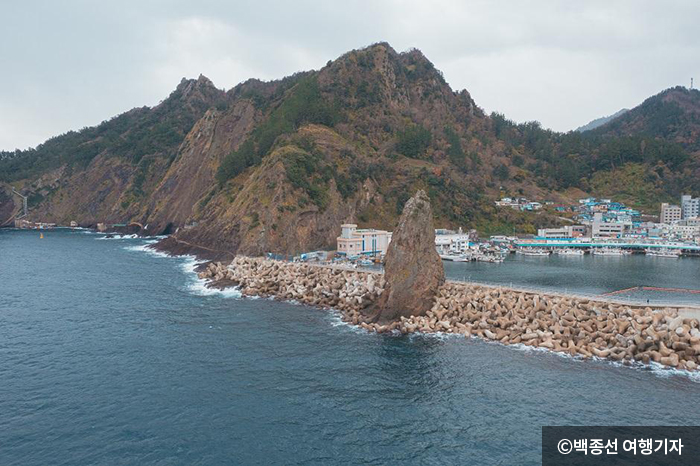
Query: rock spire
pixel 413 269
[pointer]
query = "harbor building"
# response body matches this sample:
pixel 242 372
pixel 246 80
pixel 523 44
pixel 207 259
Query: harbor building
pixel 368 241
pixel 447 241
pixel 569 231
pixel 683 232
pixel 690 206
pixel 602 229
pixel 670 213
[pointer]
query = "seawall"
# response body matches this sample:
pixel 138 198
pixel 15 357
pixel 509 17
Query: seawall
pixel 574 325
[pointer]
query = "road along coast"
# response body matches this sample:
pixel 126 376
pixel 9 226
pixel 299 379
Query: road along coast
pixel 574 325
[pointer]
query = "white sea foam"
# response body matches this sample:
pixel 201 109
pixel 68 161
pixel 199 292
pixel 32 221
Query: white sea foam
pixel 336 320
pixel 195 285
pixel 147 249
pixel 118 237
pixel 198 286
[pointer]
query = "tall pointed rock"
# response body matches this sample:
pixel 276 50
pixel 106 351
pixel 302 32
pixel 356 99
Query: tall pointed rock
pixel 413 270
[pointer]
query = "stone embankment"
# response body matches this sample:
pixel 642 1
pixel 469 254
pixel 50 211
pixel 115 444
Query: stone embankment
pixel 576 326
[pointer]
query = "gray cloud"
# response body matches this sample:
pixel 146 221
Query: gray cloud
pixel 72 64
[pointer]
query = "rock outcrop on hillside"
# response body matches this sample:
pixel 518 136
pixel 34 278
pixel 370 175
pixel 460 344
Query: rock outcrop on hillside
pixel 413 268
pixel 7 206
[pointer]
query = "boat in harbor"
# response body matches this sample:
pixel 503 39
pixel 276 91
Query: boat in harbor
pixel 533 252
pixel 610 252
pixel 454 257
pixel 473 256
pixel 493 258
pixel 663 252
pixel 570 252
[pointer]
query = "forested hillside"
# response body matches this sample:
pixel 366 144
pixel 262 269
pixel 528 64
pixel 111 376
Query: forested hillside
pixel 277 166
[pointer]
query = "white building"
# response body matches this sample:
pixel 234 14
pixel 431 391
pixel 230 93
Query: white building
pixel 670 213
pixel 601 229
pixel 452 242
pixel 569 231
pixel 354 242
pixel 684 231
pixel 690 206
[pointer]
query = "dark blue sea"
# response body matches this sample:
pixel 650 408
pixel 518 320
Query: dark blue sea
pixel 112 355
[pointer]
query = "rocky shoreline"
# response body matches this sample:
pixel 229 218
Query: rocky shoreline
pixel 576 326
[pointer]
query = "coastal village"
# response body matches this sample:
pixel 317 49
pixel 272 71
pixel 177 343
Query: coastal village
pixel 599 226
pixel 596 226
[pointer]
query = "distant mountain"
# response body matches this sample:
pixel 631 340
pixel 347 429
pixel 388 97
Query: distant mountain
pixel 600 121
pixel 672 115
pixel 277 166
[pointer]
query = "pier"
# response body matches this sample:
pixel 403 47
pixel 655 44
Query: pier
pixel 651 288
pixel 682 249
pixel 592 245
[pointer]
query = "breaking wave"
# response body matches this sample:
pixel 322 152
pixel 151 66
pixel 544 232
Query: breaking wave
pixel 198 286
pixel 117 237
pixel 146 247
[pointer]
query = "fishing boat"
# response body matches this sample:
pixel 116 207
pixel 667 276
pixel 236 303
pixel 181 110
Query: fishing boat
pixel 570 252
pixel 454 257
pixel 610 252
pixel 493 258
pixel 663 252
pixel 533 252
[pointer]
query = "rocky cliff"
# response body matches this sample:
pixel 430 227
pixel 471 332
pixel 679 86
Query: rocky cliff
pixel 7 206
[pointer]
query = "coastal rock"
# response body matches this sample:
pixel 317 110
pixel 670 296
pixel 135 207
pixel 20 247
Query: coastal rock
pixel 413 269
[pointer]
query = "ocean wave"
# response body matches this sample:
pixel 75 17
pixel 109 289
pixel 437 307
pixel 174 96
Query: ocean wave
pixel 146 247
pixel 336 320
pixel 118 237
pixel 198 286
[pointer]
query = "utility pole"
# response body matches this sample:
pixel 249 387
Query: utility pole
pixel 24 203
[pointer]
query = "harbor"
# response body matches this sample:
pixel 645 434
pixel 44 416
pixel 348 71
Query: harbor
pixel 588 245
pixel 590 275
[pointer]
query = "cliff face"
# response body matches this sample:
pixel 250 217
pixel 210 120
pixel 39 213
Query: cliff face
pixel 110 172
pixel 7 205
pixel 278 166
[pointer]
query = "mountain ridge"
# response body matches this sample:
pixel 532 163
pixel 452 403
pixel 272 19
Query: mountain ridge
pixel 601 121
pixel 277 166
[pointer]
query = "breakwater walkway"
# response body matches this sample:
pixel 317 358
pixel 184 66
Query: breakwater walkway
pixel 579 326
pixel 612 297
pixel 651 288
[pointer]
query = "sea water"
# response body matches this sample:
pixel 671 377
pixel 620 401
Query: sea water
pixel 111 353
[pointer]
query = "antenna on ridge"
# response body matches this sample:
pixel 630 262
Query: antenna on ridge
pixel 691 84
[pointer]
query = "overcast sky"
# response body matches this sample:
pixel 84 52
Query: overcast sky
pixel 73 63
